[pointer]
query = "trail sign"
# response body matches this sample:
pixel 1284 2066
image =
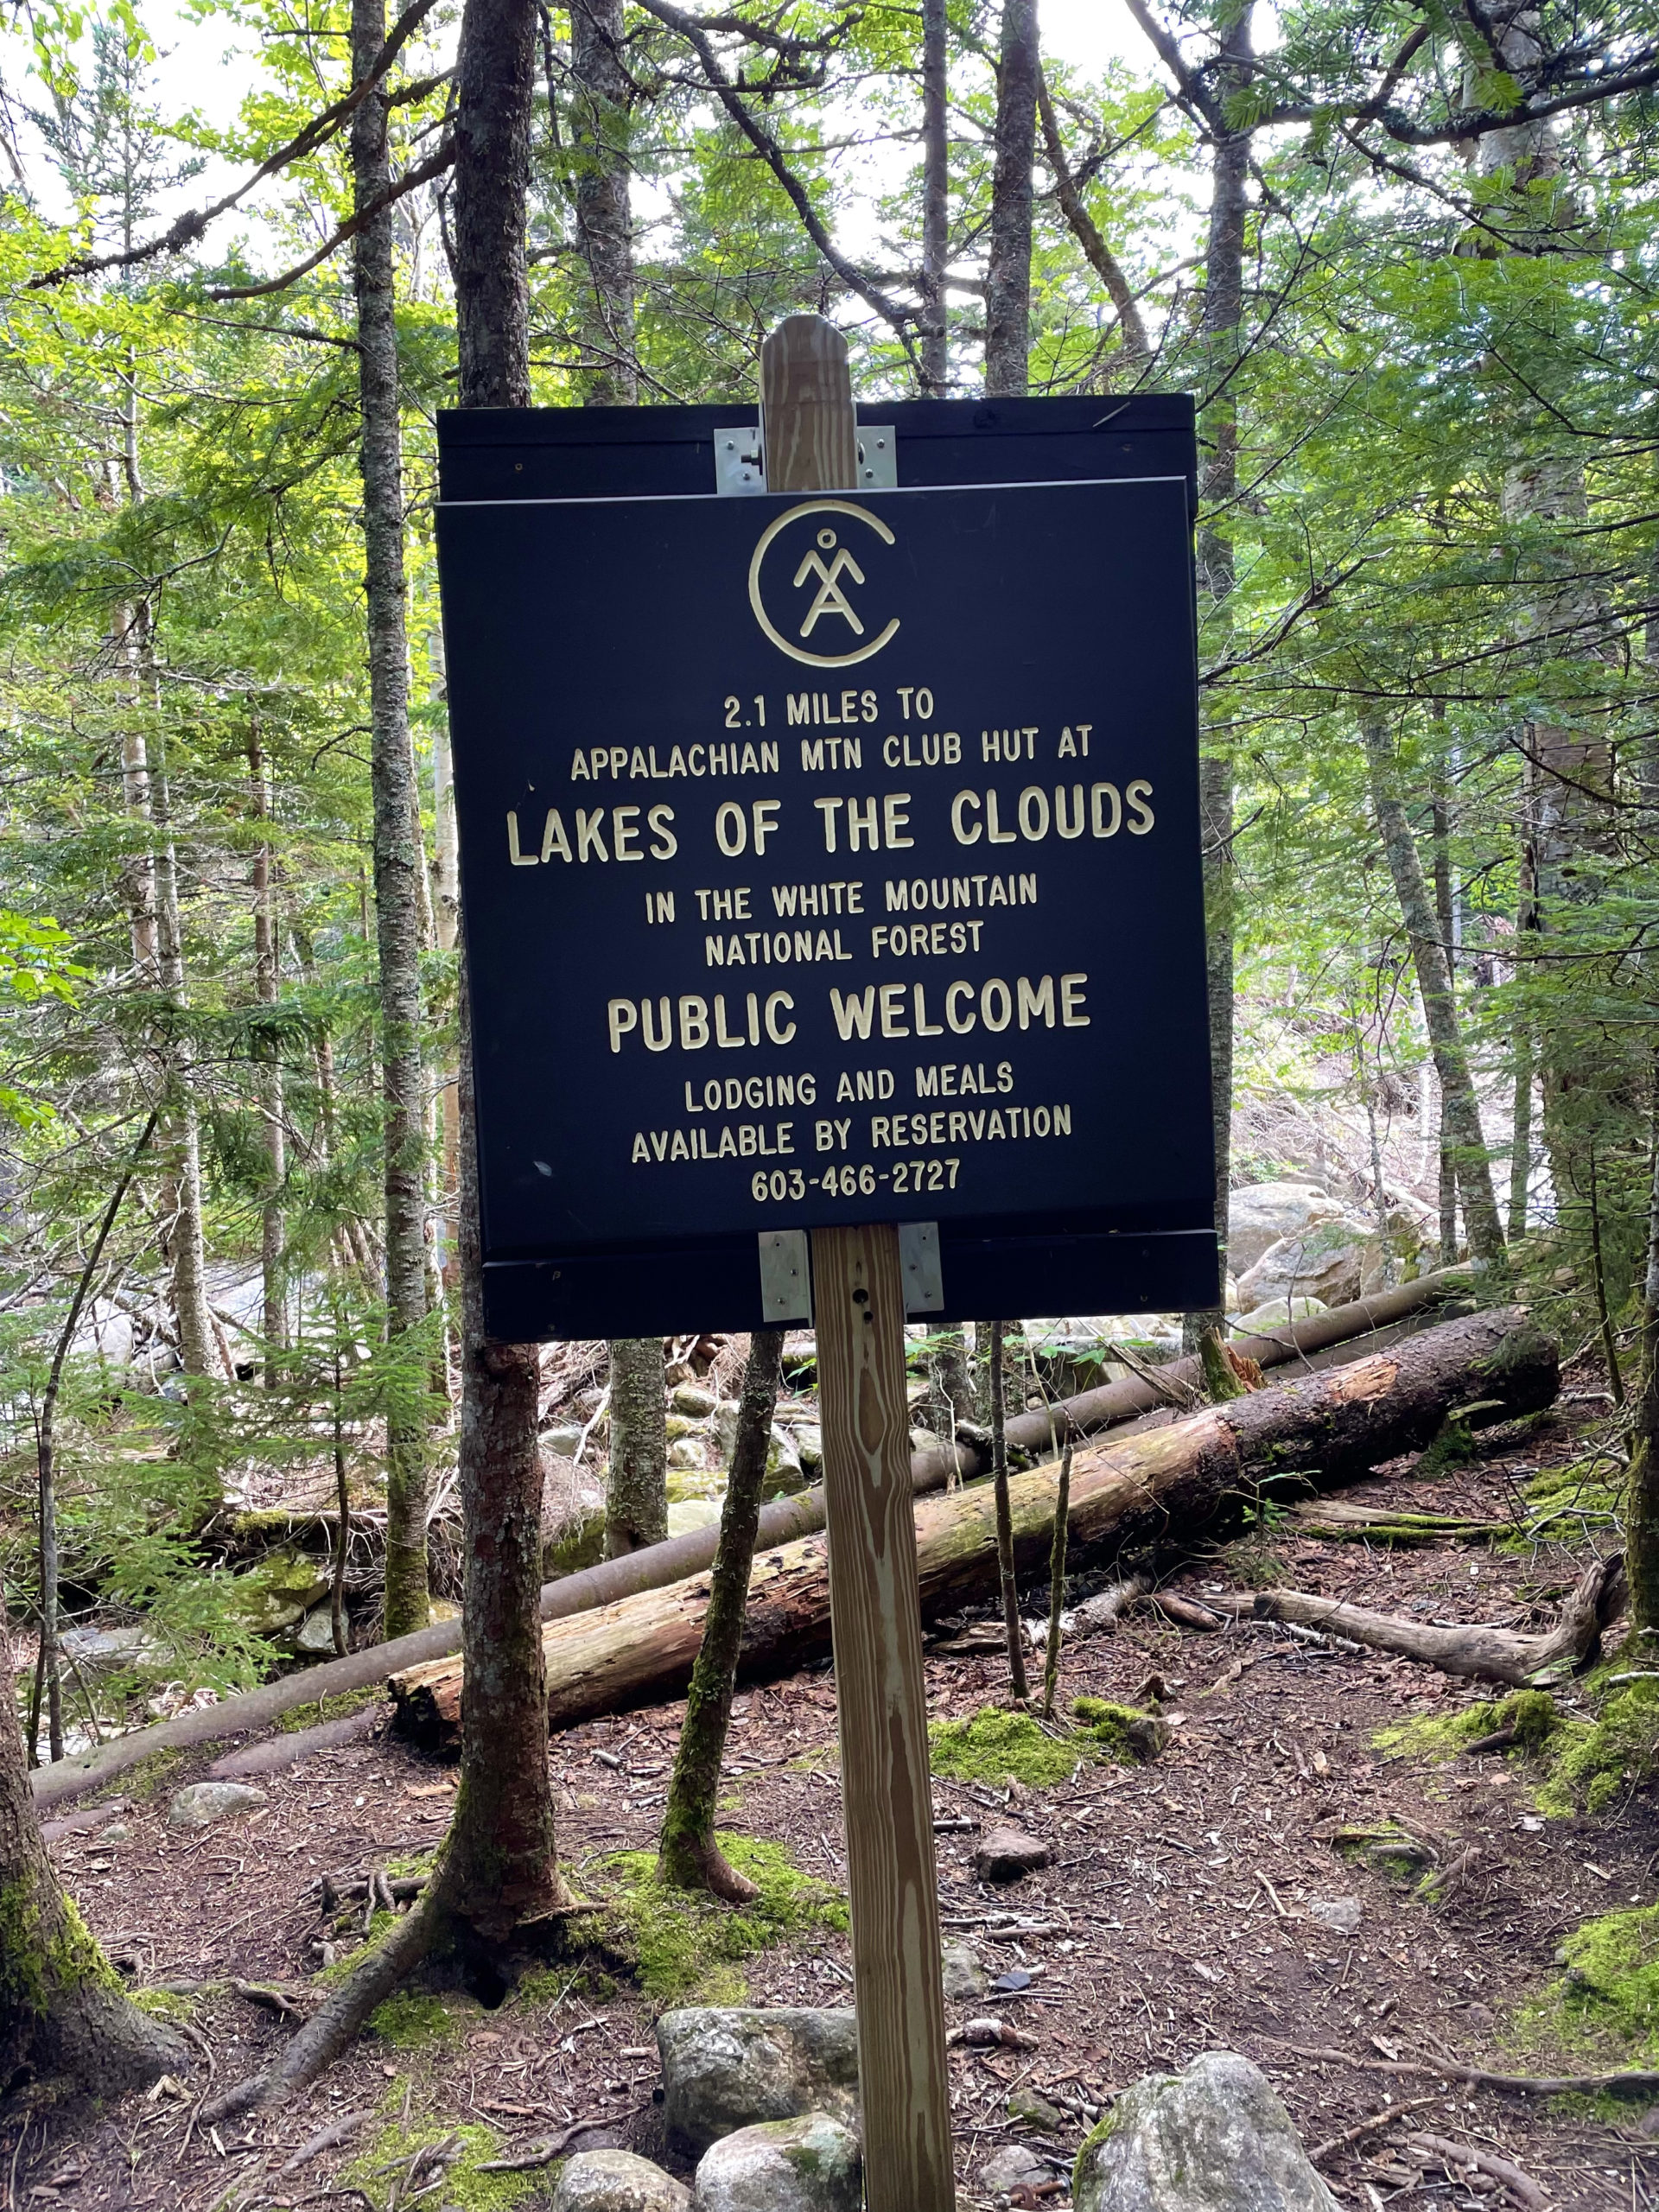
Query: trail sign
pixel 831 857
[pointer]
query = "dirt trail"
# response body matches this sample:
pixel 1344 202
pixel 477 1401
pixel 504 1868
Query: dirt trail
pixel 1176 1914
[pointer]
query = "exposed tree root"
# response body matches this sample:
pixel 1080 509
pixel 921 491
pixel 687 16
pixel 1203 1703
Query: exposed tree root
pixel 1494 1655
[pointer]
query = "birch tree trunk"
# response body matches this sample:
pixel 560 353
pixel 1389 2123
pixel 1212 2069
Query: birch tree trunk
pixel 266 987
pixel 399 858
pixel 1459 1108
pixel 636 1488
pixel 604 220
pixel 501 1865
pixel 1008 270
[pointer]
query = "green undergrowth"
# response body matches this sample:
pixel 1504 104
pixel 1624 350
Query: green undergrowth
pixel 1606 2001
pixel 164 2004
pixel 996 1746
pixel 683 1948
pixel 148 1778
pixel 316 1710
pixel 1573 1766
pixel 383 2169
pixel 1566 1502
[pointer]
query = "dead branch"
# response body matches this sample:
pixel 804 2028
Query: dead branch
pixel 1493 1655
pixel 1461 2157
pixel 1361 2128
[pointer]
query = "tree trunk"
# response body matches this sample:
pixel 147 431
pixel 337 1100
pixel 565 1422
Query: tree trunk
pixel 636 1489
pixel 1133 1491
pixel 266 987
pixel 936 200
pixel 181 1128
pixel 604 224
pixel 1459 1108
pixel 690 1858
pixel 1222 318
pixel 1009 1587
pixel 1642 1497
pixel 1525 935
pixel 950 1399
pixel 446 914
pixel 399 858
pixel 1007 268
pixel 1445 916
pixel 501 1856
pixel 63 2014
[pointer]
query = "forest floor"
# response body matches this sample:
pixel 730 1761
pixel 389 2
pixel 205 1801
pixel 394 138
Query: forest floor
pixel 1174 1917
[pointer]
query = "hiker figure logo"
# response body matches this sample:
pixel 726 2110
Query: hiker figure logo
pixel 838 574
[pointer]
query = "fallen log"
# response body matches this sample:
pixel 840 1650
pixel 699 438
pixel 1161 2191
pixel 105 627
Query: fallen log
pixel 1330 1425
pixel 1489 1655
pixel 656 1565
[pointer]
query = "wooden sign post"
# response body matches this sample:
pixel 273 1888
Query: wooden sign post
pixel 811 442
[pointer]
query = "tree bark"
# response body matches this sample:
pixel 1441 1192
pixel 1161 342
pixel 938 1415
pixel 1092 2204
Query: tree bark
pixel 1007 268
pixel 1461 1109
pixel 1642 1495
pixel 64 2016
pixel 636 1488
pixel 936 200
pixel 399 856
pixel 689 1856
pixel 1133 1491
pixel 267 989
pixel 600 125
pixel 1220 327
pixel 501 1860
pixel 1007 1584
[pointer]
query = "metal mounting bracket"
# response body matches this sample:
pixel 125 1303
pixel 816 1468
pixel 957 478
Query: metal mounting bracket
pixel 785 1276
pixel 739 465
pixel 920 1265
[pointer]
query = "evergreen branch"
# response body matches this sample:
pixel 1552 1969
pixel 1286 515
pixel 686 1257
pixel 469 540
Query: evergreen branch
pixel 186 229
pixel 767 146
pixel 409 181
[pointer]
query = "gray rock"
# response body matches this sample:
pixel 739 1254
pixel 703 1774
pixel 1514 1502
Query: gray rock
pixel 1340 1915
pixel 573 1508
pixel 965 1975
pixel 1036 2112
pixel 104 1650
pixel 689 1513
pixel 615 2181
pixel 809 1442
pixel 686 1453
pixel 1014 2166
pixel 1326 1262
pixel 726 2067
pixel 1276 1313
pixel 1263 1213
pixel 808 2165
pixel 280 1590
pixel 1215 2139
pixel 316 1635
pixel 784 1470
pixel 562 1441
pixel 200 1803
pixel 696 1404
pixel 1006 1854
pixel 118 1832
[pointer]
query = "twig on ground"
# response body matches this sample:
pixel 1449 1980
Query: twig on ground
pixel 1361 2128
pixel 1460 2158
pixel 325 2138
pixel 1632 2081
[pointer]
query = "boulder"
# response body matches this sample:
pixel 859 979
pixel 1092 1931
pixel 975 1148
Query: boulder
pixel 689 1513
pixel 809 1443
pixel 965 1972
pixel 1215 2139
pixel 728 2066
pixel 106 1650
pixel 686 1451
pixel 615 2181
pixel 1400 1251
pixel 315 1638
pixel 200 1803
pixel 573 1510
pixel 1006 1854
pixel 784 1472
pixel 1276 1313
pixel 1326 1262
pixel 281 1589
pixel 1014 2166
pixel 1262 1213
pixel 808 2165
pixel 696 1404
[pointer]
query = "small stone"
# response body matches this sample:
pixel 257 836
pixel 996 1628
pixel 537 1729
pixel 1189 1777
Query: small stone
pixel 1647 2126
pixel 1480 2016
pixel 616 2181
pixel 685 1452
pixel 1340 1915
pixel 1007 1854
pixel 1014 2166
pixel 116 1832
pixel 317 1636
pixel 809 2164
pixel 564 1441
pixel 1215 2139
pixel 728 2067
pixel 200 1803
pixel 696 1404
pixel 1036 2112
pixel 965 1975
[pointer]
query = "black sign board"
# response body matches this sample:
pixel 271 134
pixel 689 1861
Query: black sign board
pixel 831 857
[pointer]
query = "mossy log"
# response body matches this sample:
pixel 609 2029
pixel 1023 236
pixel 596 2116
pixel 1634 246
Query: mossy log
pixel 1328 1427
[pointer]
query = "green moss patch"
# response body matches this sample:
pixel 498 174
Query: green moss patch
pixel 1569 1501
pixel 682 1946
pixel 316 1710
pixel 1592 1762
pixel 1608 1998
pixel 410 2019
pixel 996 1746
pixel 385 2167
pixel 164 2004
pixel 1444 1735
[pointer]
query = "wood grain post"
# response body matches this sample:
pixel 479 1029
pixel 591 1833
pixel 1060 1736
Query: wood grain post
pixel 811 440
